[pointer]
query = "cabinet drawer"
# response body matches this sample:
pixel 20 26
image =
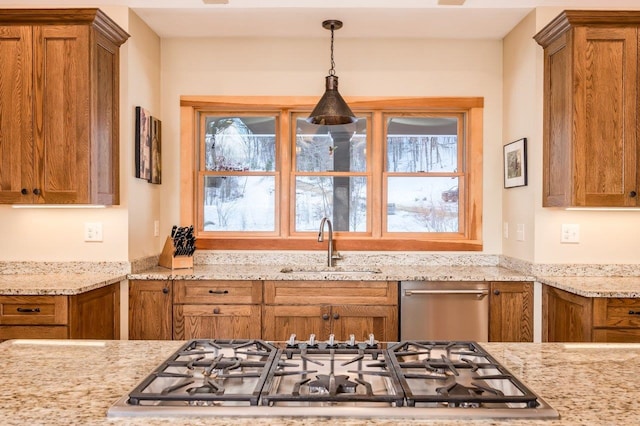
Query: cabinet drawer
pixel 33 310
pixel 616 335
pixel 331 292
pixel 33 332
pixel 616 312
pixel 204 292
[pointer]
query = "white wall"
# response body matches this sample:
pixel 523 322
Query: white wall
pixel 366 67
pixel 605 236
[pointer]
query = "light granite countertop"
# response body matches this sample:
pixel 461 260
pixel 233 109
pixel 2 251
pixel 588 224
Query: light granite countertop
pixel 61 283
pixel 347 272
pixel 67 382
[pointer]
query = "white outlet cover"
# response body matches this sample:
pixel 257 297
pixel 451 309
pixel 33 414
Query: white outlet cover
pixel 93 231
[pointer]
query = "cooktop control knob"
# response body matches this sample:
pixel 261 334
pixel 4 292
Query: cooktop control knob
pixel 312 340
pixel 291 343
pixel 332 341
pixel 372 342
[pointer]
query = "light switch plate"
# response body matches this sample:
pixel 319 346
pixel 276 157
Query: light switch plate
pixel 520 232
pixel 505 230
pixel 93 231
pixel 570 233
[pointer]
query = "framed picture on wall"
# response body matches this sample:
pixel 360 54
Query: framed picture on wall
pixel 143 143
pixel 156 144
pixel 515 163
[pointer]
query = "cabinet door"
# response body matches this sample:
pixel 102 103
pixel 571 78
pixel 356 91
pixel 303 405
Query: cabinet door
pixel 566 317
pixel 16 141
pixel 363 320
pixel 511 312
pixel 95 314
pixel 280 322
pixel 150 310
pixel 216 322
pixel 61 115
pixel 606 103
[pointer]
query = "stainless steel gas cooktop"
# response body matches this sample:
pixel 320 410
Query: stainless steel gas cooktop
pixel 419 379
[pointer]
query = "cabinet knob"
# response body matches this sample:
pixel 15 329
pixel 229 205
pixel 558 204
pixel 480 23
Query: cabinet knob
pixel 325 316
pixel 496 292
pixel 336 316
pixel 24 191
pixel 216 310
pixel 165 290
pixel 632 194
pixel 37 191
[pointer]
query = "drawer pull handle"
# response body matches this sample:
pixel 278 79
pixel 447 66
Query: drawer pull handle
pixel 29 310
pixel 218 291
pixel 634 312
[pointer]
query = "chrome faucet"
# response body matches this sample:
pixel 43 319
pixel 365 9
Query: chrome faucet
pixel 321 239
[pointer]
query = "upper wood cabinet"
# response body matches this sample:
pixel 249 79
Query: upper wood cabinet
pixel 59 94
pixel 591 101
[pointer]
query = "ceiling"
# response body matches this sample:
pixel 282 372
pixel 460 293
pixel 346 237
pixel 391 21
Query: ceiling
pixel 487 19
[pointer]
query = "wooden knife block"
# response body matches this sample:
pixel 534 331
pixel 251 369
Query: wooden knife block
pixel 168 260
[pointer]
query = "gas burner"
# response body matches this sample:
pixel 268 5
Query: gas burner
pixel 332 384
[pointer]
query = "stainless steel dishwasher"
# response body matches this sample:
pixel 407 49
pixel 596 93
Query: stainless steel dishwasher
pixel 431 310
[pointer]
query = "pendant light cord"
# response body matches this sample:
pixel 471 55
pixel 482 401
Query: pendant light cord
pixel 332 71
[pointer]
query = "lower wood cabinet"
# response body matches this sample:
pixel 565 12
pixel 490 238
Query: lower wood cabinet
pixel 150 310
pixel 569 317
pixel 511 312
pixel 91 315
pixel 217 309
pixel 322 308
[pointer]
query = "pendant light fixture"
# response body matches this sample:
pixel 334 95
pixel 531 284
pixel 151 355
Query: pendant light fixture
pixel 331 109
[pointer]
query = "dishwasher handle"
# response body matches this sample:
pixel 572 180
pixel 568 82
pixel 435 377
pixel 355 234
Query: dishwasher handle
pixel 479 293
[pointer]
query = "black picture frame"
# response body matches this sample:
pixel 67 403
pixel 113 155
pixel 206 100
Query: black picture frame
pixel 515 163
pixel 143 143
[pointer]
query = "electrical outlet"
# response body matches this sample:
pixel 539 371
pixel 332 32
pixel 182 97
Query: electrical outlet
pixel 520 232
pixel 156 228
pixel 570 233
pixel 93 231
pixel 505 230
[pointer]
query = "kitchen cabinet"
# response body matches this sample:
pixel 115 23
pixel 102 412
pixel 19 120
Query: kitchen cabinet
pixel 569 317
pixel 511 312
pixel 91 315
pixel 150 310
pixel 330 307
pixel 591 104
pixel 59 106
pixel 217 309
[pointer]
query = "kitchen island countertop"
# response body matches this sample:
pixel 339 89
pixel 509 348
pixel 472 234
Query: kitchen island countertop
pixel 76 381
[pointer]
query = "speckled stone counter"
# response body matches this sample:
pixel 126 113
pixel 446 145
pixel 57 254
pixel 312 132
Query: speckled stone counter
pixel 64 283
pixel 370 273
pixel 75 382
pixel 596 286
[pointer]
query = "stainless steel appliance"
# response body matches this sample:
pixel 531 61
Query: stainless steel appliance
pixel 444 311
pixel 342 379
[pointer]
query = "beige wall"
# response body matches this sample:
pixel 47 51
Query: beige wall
pixel 366 67
pixel 55 234
pixel 605 236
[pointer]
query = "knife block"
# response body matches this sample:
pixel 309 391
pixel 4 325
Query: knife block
pixel 168 260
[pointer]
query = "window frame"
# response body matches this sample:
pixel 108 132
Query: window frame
pixel 285 238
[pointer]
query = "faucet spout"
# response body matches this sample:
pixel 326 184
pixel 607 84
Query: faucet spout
pixel 321 239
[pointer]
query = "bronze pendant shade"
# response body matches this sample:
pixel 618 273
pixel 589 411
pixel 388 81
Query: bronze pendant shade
pixel 332 109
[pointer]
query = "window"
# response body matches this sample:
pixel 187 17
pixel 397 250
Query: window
pixel 405 176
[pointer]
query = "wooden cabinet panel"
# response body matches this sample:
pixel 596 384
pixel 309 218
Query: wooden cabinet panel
pixel 511 312
pixel 150 310
pixel 217 322
pixel 280 322
pixel 95 314
pixel 363 320
pixel 328 292
pixel 590 109
pixel 201 292
pixel 33 332
pixel 616 312
pixel 566 316
pixel 616 335
pixel 33 310
pixel 59 74
pixel 16 138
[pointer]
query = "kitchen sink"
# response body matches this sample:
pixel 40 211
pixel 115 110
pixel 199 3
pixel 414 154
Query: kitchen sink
pixel 329 270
